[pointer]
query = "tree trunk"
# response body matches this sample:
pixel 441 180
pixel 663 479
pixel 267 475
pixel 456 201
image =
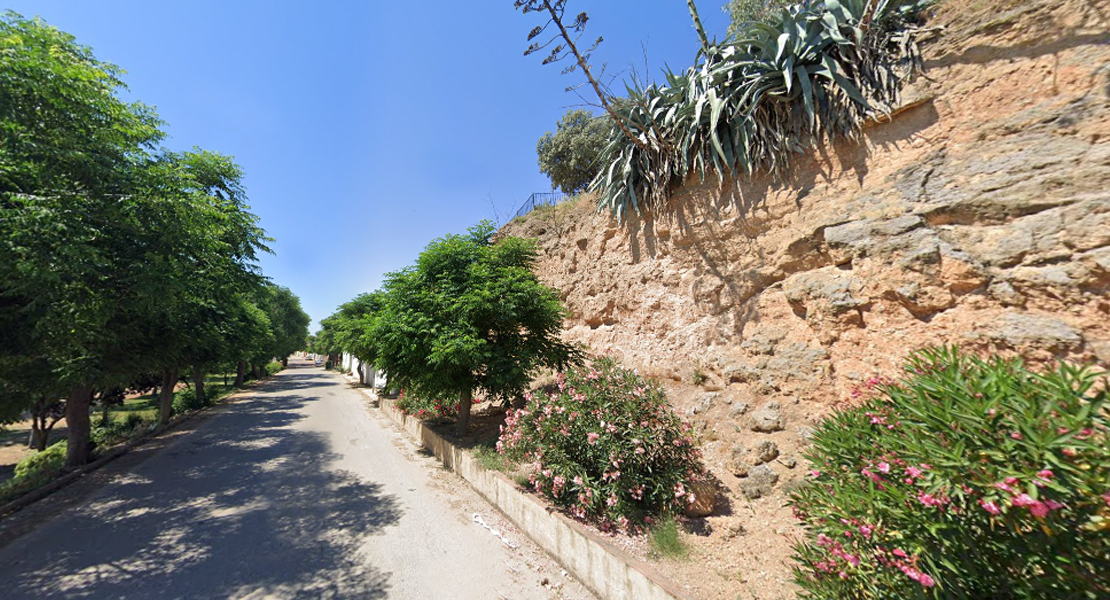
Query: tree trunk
pixel 285 362
pixel 77 420
pixel 465 400
pixel 165 400
pixel 255 372
pixel 240 373
pixel 198 383
pixel 361 374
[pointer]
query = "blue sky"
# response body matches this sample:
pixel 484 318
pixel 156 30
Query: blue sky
pixel 366 129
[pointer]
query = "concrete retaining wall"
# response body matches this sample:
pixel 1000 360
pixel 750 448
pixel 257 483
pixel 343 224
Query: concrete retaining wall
pixel 606 571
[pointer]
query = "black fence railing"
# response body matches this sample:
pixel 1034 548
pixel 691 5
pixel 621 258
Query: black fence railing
pixel 540 199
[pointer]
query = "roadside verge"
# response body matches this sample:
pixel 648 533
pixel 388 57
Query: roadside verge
pixel 605 570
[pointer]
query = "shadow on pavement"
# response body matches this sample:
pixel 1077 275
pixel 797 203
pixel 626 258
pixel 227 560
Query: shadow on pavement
pixel 246 507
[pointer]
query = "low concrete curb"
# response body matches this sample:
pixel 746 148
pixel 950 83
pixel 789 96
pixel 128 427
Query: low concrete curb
pixel 606 571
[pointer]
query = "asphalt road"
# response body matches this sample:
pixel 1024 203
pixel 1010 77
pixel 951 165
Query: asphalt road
pixel 296 490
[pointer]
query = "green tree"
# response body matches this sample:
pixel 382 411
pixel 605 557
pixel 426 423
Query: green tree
pixel 743 13
pixel 353 327
pixel 470 315
pixel 288 321
pixel 570 157
pixel 74 284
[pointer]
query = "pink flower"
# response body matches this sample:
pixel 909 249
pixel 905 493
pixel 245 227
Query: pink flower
pixel 1011 480
pixel 865 530
pixel 900 553
pixel 818 474
pixel 990 507
pixel 1106 497
pixel 1015 435
pixel 926 580
pixel 591 438
pixel 913 472
pixel 578 480
pixel 1053 505
pixel 884 468
pixel 1044 474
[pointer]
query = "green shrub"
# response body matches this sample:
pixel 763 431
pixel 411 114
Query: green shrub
pixel 273 367
pixel 422 408
pixel 186 401
pixel 605 446
pixel 968 478
pixel 47 463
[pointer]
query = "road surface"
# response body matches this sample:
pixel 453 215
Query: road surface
pixel 297 490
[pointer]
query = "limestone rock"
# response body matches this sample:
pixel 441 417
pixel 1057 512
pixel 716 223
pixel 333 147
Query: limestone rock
pixel 760 481
pixel 738 462
pixel 1019 329
pixel 765 452
pixel 768 420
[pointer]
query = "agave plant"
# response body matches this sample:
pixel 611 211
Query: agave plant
pixel 815 71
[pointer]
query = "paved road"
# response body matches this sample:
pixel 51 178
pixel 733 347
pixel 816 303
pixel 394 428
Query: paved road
pixel 295 491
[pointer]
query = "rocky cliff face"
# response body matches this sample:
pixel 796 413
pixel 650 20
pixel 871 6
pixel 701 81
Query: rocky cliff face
pixel 978 215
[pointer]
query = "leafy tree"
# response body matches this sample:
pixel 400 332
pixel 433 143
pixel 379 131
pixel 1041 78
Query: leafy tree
pixel 74 279
pixel 743 13
pixel 470 315
pixel 288 321
pixel 353 328
pixel 570 156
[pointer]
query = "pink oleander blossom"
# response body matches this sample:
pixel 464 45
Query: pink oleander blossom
pixel 990 507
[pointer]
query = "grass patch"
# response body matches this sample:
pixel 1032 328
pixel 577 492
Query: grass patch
pixel 666 540
pixel 491 460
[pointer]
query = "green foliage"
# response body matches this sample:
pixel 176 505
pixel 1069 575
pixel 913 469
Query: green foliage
pixel 273 368
pixel 666 540
pixel 424 408
pixel 49 462
pixel 745 13
pixel 469 315
pixel 968 478
pixel 570 156
pixel 115 258
pixel 34 472
pixel 186 401
pixel 606 446
pixel 813 72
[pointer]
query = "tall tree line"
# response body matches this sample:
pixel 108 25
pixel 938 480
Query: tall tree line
pixel 118 258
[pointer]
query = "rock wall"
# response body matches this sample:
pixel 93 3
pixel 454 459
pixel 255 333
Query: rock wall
pixel 977 215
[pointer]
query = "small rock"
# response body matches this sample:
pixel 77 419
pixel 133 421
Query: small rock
pixel 733 528
pixel 738 464
pixel 768 420
pixel 805 434
pixel 738 410
pixel 789 462
pixel 760 481
pixel 705 498
pixel 765 452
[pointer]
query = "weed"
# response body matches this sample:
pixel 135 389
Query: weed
pixel 666 540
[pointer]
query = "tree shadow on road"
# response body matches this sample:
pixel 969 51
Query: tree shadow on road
pixel 246 507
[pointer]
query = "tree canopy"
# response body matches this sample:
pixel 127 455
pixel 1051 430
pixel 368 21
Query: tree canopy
pixel 570 157
pixel 116 258
pixel 469 316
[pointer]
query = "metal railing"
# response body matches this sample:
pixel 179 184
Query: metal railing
pixel 540 199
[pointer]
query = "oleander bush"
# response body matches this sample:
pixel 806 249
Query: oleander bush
pixel 423 408
pixel 605 446
pixel 966 478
